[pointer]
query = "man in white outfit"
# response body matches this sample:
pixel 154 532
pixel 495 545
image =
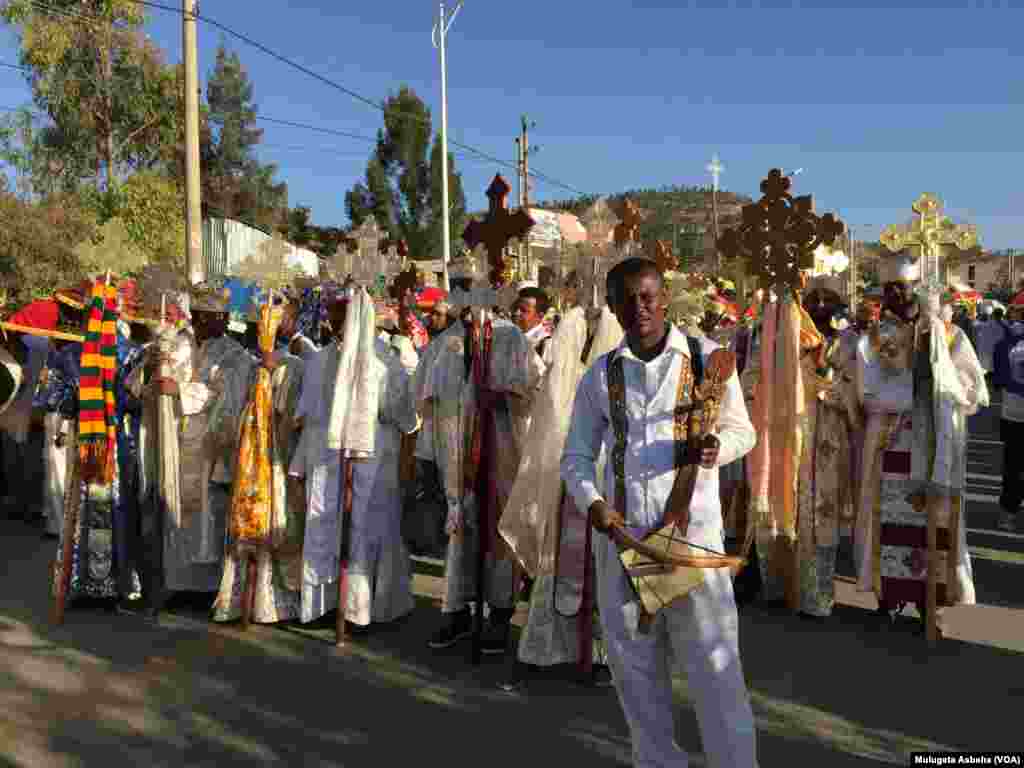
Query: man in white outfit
pixel 700 631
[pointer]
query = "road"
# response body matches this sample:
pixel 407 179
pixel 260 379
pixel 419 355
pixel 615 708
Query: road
pixel 111 690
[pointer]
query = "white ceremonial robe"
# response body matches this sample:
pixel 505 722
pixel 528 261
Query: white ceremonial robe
pixel 540 333
pixel 701 633
pixel 213 384
pixel 450 398
pixel 380 574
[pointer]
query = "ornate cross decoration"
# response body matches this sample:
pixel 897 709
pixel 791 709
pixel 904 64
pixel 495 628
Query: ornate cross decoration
pixel 600 221
pixel 497 228
pixel 779 234
pixel 628 230
pixel 930 230
pixel 660 252
pixel 368 264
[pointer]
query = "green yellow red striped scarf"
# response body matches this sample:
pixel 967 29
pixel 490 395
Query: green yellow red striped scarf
pixel 96 410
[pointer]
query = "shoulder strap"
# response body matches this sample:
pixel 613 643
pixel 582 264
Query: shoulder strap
pixel 620 426
pixel 696 360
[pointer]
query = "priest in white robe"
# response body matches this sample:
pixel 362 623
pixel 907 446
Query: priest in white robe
pixel 701 630
pixel 356 402
pixel 448 392
pixel 541 522
pixel 209 379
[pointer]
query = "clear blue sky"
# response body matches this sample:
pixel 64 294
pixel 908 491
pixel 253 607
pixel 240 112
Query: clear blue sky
pixel 877 101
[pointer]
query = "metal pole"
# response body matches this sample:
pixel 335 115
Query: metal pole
pixel 194 267
pixel 440 41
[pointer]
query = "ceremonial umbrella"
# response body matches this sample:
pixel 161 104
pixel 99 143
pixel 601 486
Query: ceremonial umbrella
pixel 429 296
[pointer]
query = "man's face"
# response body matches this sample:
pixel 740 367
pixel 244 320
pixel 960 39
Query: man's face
pixel 525 314
pixel 865 313
pixel 641 307
pixel 209 325
pixel 899 299
pixel 288 318
pixel 822 307
pixel 569 296
pixel 336 316
pixel 439 318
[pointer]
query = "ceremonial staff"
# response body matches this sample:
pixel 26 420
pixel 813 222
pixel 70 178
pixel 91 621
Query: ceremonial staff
pixel 344 545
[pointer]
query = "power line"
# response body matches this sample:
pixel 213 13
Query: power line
pixel 348 91
pixel 87 17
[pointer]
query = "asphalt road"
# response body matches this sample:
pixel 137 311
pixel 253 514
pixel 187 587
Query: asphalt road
pixel 111 690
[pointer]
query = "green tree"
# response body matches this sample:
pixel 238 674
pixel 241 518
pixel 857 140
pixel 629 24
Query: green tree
pixel 402 187
pixel 37 242
pixel 102 83
pixel 236 184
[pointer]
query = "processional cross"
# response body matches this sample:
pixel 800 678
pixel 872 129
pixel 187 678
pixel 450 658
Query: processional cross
pixel 628 230
pixel 930 230
pixel 600 222
pixel 500 226
pixel 779 235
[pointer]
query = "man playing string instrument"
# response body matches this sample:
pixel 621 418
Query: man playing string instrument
pixel 700 629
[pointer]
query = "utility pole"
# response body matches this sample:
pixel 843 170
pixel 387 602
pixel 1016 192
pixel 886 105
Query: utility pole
pixel 524 152
pixel 194 268
pixel 440 36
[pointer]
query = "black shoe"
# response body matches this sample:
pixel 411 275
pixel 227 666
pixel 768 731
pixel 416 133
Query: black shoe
pixel 602 676
pixel 458 626
pixel 495 639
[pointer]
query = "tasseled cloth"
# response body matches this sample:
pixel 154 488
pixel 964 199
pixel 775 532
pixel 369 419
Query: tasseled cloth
pixel 252 503
pixel 97 408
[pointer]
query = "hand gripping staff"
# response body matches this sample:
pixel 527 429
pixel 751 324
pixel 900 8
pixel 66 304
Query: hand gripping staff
pixel 663 567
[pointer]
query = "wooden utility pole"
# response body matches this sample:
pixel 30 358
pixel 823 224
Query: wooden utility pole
pixel 194 270
pixel 524 152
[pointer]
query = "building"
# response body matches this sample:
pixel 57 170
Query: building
pixel 227 243
pixel 987 270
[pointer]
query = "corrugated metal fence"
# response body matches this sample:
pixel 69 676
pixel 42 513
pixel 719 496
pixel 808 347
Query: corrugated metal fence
pixel 227 243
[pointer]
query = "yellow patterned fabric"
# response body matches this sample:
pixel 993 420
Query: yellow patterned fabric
pixel 252 505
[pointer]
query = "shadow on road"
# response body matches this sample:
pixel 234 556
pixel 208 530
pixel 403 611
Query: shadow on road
pixel 112 690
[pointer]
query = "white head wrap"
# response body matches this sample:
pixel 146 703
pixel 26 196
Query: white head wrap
pixel 899 267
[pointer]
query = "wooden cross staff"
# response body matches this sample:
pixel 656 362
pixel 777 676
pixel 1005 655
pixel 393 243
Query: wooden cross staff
pixel 779 234
pixel 499 226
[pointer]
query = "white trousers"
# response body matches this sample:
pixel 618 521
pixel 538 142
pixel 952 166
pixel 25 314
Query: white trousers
pixel 701 636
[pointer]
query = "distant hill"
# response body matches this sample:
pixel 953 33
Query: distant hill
pixel 659 207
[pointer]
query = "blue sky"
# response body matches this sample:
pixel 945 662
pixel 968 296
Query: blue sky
pixel 877 101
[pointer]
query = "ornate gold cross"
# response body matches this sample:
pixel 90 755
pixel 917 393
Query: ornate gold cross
pixel 779 235
pixel 929 230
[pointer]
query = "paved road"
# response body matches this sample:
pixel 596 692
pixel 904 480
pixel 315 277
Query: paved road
pixel 110 690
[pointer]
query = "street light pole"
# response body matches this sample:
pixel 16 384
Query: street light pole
pixel 440 35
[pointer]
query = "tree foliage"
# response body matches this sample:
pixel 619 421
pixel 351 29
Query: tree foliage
pixel 235 183
pixel 37 242
pixel 101 81
pixel 402 186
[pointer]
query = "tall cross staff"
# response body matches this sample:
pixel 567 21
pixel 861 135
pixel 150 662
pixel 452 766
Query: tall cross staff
pixel 715 168
pixel 930 230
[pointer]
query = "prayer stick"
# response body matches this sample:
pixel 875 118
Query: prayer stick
pixel 249 596
pixel 345 504
pixel 586 614
pixel 931 611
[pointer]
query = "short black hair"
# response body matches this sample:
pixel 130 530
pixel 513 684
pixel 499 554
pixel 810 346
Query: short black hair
pixel 543 302
pixel 998 314
pixel 636 266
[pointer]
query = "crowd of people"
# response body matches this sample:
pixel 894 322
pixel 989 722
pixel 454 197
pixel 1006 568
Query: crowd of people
pixel 275 468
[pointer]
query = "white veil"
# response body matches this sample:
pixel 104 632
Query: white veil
pixel 529 522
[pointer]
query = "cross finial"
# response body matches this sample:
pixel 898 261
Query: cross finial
pixel 715 168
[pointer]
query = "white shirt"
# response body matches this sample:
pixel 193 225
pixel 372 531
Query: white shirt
pixel 650 456
pixel 535 336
